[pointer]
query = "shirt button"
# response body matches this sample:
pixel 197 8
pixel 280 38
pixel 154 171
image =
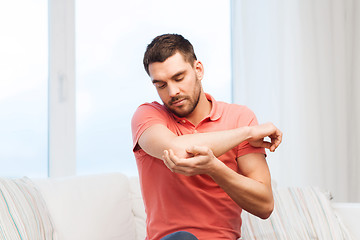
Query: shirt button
pixel 183 121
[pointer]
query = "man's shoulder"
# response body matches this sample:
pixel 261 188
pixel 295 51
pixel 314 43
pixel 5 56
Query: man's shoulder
pixel 236 115
pixel 235 108
pixel 151 104
pixel 151 107
pixel 151 110
pixel 148 114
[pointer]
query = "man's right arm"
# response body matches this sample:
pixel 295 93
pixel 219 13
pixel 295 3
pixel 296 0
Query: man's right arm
pixel 157 138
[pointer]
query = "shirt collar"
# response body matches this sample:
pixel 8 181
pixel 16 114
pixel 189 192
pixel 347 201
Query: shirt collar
pixel 215 110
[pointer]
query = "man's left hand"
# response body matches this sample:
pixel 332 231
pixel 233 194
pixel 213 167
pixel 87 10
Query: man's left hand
pixel 201 160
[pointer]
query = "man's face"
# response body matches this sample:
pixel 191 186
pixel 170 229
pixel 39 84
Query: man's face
pixel 177 83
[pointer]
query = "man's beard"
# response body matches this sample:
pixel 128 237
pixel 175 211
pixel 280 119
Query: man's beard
pixel 192 101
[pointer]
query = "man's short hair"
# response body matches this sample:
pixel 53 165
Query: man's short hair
pixel 165 46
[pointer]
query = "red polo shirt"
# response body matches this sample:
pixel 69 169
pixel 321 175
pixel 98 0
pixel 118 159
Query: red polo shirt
pixel 196 204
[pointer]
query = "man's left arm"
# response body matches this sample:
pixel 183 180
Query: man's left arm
pixel 251 189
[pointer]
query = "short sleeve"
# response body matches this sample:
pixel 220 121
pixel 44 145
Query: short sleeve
pixel 145 116
pixel 247 118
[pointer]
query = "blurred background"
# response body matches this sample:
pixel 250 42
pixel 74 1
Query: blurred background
pixel 71 76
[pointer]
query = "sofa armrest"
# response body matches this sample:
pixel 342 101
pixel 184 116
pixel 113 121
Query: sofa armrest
pixel 138 208
pixel 349 213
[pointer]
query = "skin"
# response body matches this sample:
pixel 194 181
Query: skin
pixel 178 84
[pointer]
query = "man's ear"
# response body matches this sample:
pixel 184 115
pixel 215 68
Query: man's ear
pixel 199 69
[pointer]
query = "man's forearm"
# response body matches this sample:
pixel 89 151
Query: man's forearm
pixel 219 142
pixel 253 196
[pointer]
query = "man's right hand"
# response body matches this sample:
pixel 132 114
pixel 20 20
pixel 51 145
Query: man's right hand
pixel 259 132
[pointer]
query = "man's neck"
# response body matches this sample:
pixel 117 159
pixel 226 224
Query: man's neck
pixel 201 111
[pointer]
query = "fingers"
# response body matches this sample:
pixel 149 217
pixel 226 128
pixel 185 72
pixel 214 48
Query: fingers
pixel 279 139
pixel 174 163
pixel 166 160
pixel 275 135
pixel 170 159
pixel 200 163
pixel 198 150
pixel 276 139
pixel 267 145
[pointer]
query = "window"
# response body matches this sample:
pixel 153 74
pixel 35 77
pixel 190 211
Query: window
pixel 111 37
pixel 23 88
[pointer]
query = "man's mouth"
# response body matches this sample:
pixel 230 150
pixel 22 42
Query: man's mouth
pixel 178 102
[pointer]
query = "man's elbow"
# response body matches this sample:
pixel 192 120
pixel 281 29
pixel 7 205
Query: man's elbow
pixel 267 210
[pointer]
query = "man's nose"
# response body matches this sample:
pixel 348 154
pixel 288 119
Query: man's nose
pixel 173 90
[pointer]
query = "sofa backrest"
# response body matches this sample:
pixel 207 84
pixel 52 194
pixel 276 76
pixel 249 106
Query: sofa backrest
pixel 94 207
pixel 299 213
pixel 109 207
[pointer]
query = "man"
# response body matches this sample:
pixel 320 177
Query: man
pixel 200 161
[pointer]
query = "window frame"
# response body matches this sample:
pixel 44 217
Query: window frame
pixel 62 115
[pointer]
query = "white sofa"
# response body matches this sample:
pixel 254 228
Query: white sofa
pixel 104 207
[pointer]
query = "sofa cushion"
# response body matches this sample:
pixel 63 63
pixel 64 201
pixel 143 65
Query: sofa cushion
pixel 23 213
pixel 299 213
pixel 93 207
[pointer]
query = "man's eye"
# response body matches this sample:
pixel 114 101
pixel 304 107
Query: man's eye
pixel 179 79
pixel 161 85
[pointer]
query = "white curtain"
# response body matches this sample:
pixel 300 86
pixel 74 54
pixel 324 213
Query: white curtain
pixel 297 63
